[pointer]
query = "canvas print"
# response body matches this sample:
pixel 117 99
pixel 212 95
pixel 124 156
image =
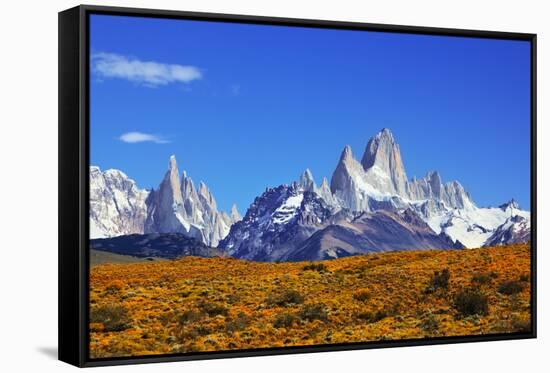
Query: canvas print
pixel 256 186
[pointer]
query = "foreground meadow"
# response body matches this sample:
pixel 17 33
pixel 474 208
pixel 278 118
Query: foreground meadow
pixel 198 304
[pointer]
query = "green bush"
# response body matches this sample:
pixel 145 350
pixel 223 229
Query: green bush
pixel 521 325
pixel 213 309
pixel 439 280
pixel 372 317
pixel 315 311
pixel 113 317
pixel 284 320
pixel 482 278
pixel 428 322
pixel 471 301
pixel 362 295
pixel 380 315
pixel 285 298
pixel 189 316
pixel 319 267
pixel 366 315
pixel 510 287
pixel 524 278
pixel 238 324
pixel 202 330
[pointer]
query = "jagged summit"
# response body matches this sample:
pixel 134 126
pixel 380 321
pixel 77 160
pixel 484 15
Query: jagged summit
pixel 348 183
pixel 385 133
pixel 172 166
pixel 307 182
pixel 511 204
pixel 383 164
pixel 117 205
pixel 235 215
pixel 307 175
pixel 176 206
pixel 346 154
pixel 381 176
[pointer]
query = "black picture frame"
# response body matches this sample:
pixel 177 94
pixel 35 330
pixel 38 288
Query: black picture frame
pixel 74 182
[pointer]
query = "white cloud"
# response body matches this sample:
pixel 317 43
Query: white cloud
pixel 134 137
pixel 147 73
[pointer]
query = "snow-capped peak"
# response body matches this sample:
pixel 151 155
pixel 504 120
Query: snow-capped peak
pixel 383 164
pixel 510 205
pixel 117 205
pixel 347 154
pixel 173 163
pixel 307 182
pixel 235 215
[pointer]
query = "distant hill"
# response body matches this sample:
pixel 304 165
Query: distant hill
pixel 103 257
pixel 154 245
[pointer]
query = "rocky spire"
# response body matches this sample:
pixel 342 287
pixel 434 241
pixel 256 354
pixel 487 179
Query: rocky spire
pixel 346 154
pixel 383 164
pixel 187 187
pixel 324 192
pixel 172 180
pixel 190 198
pixel 166 210
pixel 206 197
pixel 512 205
pixel 348 182
pixel 452 194
pixel 307 182
pixel 235 216
pixel 434 181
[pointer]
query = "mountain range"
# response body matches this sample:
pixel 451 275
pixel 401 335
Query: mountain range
pixel 368 206
pixel 118 207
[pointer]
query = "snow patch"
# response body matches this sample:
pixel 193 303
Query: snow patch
pixel 287 210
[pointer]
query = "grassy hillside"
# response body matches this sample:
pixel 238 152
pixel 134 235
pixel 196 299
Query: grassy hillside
pixel 103 257
pixel 200 304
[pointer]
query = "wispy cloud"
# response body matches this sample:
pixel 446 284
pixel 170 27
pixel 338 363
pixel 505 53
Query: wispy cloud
pixel 135 137
pixel 147 73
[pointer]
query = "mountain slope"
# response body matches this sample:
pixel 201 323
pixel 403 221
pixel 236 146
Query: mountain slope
pixel 276 222
pixel 371 232
pixel 160 245
pixel 515 229
pixel 117 205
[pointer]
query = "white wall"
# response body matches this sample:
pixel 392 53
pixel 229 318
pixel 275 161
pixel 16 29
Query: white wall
pixel 28 164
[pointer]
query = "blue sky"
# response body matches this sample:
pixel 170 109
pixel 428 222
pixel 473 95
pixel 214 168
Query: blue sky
pixel 248 106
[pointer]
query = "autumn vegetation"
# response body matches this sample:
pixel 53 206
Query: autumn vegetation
pixel 211 304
